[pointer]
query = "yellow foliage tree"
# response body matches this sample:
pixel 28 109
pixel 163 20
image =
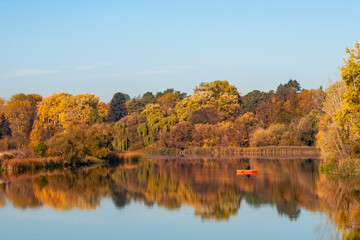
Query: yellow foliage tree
pixel 349 116
pixel 228 107
pixel 20 111
pixel 222 87
pixel 156 122
pixel 2 103
pixel 60 111
pixel 218 95
pixel 167 102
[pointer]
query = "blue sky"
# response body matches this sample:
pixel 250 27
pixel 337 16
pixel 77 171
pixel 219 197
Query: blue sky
pixel 103 47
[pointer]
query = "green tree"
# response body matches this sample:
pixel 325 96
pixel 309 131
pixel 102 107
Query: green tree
pixel 170 90
pixel 251 100
pixel 120 136
pixel 156 122
pixel 126 134
pixel 118 107
pixel 287 91
pixel 138 104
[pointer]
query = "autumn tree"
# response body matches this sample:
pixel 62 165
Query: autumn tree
pixel 182 95
pixel 222 87
pixel 309 100
pixel 264 112
pixel 179 136
pixel 246 125
pixel 167 102
pixel 349 116
pixel 228 106
pixel 125 132
pixel 205 135
pixel 339 134
pixel 156 121
pixel 205 115
pixel 224 134
pixel 229 135
pixel 331 139
pixel 286 101
pixel 20 111
pixel 61 111
pixel 186 108
pixel 120 136
pixel 282 106
pixel 275 135
pixel 81 141
pixel 307 128
pixel 3 121
pixel 217 95
pixel 118 107
pixel 98 114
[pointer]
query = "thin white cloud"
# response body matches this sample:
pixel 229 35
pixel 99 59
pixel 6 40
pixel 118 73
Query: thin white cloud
pixel 83 68
pixel 26 72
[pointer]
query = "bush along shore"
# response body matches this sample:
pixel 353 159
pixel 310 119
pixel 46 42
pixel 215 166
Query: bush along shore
pixel 21 161
pixel 347 167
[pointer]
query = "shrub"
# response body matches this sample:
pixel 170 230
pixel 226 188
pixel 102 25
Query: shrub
pixel 81 141
pixel 275 135
pixel 40 149
pixel 328 168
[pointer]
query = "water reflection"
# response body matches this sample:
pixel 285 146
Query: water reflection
pixel 210 187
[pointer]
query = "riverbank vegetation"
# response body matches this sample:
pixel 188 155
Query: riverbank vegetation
pixel 216 114
pixel 339 126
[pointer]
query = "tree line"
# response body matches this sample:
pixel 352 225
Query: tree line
pixel 215 114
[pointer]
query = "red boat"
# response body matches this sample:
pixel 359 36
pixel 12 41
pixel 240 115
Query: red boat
pixel 247 172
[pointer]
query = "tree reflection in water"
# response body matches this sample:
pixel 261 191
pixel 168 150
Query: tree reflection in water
pixel 210 187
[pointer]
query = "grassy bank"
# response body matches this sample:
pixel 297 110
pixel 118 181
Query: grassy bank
pixel 23 160
pixel 116 158
pixel 31 164
pixel 345 167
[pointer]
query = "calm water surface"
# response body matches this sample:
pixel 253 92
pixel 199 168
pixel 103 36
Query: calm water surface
pixel 181 199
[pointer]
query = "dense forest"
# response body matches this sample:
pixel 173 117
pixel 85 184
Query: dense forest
pixel 215 115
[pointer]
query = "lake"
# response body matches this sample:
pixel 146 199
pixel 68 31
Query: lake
pixel 193 198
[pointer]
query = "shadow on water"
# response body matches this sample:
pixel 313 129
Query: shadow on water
pixel 210 186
